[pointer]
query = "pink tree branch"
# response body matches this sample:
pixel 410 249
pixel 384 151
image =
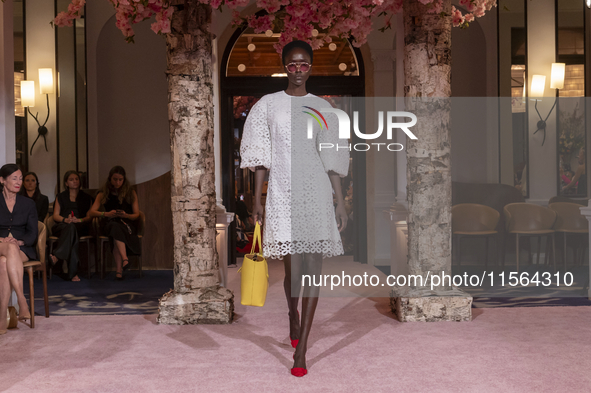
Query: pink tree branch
pixel 295 19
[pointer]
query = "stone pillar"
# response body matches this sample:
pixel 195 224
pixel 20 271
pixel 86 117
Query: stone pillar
pixel 427 88
pixel 197 296
pixel 586 211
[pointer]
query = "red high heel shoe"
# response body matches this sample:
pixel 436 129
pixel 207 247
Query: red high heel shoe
pixel 298 371
pixel 294 343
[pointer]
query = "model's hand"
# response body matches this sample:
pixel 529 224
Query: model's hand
pixel 257 213
pixel 111 214
pixel 20 243
pixel 341 216
pixel 75 220
pixel 10 240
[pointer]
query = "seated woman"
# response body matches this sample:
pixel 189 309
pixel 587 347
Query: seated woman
pixel 70 213
pixel 18 235
pixel 120 206
pixel 31 190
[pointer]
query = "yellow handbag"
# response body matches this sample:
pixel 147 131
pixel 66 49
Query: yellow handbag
pixel 255 274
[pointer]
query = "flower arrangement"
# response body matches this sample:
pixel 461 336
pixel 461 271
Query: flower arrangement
pixel 572 132
pixel 242 106
pixel 295 19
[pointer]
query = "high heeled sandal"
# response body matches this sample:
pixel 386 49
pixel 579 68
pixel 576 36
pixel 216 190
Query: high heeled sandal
pixel 126 266
pixel 119 276
pixel 2 332
pixel 299 371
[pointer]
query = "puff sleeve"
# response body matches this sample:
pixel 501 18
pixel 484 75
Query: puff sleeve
pixel 334 159
pixel 255 147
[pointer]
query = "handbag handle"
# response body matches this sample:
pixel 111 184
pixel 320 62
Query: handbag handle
pixel 256 239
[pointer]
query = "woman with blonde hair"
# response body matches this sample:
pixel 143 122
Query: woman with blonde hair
pixel 119 205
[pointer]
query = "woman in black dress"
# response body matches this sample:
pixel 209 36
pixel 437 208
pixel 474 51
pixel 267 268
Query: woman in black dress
pixel 18 235
pixel 70 213
pixel 120 207
pixel 30 189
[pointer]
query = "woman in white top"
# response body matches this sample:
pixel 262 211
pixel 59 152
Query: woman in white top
pixel 300 223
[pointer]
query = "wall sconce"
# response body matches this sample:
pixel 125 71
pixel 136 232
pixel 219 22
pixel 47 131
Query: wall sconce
pixel 28 100
pixel 588 3
pixel 538 85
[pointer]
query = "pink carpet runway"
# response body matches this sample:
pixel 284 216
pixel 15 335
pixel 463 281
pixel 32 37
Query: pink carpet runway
pixel 355 346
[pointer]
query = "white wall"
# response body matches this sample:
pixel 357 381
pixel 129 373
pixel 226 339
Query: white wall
pixel 541 55
pixel 131 103
pixel 41 54
pixel 7 137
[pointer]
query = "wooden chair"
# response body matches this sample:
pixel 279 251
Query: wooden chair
pixel 474 220
pixel 31 267
pixel 526 219
pixel 51 240
pixel 569 221
pixel 102 240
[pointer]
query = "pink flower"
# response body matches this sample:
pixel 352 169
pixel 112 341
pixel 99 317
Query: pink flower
pixel 457 18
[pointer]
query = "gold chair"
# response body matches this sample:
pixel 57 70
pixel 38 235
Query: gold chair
pixel 102 240
pixel 51 240
pixel 474 220
pixel 569 221
pixel 526 219
pixel 31 267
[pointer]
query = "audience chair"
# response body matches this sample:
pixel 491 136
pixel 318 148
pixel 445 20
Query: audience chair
pixel 474 220
pixel 569 221
pixel 527 220
pixel 102 240
pixel 31 267
pixel 52 240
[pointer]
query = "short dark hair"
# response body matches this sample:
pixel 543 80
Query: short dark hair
pixel 8 170
pixel 297 44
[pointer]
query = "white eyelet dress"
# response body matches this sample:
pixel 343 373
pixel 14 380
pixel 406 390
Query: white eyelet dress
pixel 299 209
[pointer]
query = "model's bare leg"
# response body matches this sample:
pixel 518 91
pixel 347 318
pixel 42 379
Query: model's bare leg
pixel 5 290
pixel 14 268
pixel 118 258
pixel 293 277
pixel 122 253
pixel 313 267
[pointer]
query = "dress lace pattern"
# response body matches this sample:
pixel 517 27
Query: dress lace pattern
pixel 299 210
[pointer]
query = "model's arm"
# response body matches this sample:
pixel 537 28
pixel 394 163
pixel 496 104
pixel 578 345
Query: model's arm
pixel 94 210
pixel 57 217
pixel 259 180
pixel 340 213
pixel 136 208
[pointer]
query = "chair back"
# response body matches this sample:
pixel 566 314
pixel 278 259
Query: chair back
pixel 582 202
pixel 49 223
pixel 473 217
pixel 141 224
pixel 569 217
pixel 41 242
pixel 528 217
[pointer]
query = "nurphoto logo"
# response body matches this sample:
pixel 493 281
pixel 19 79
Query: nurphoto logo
pixel 345 128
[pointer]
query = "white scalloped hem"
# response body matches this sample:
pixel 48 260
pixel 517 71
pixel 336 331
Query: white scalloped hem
pixel 328 248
